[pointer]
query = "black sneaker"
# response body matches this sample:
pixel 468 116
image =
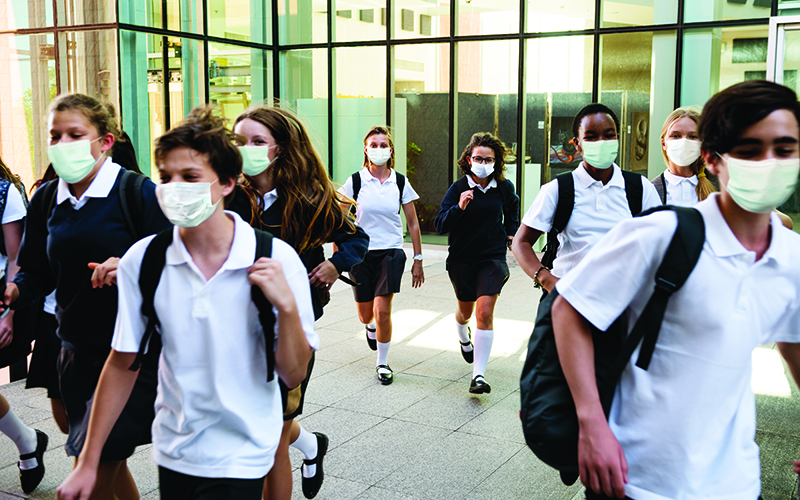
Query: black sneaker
pixel 30 478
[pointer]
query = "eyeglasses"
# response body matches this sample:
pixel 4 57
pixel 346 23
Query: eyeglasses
pixel 482 161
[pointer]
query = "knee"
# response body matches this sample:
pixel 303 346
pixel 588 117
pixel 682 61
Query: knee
pixel 383 316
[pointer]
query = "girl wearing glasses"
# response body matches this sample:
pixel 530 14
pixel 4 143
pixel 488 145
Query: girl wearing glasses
pixel 481 214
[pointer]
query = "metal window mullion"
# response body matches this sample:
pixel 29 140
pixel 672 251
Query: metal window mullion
pixel 521 100
pixel 451 150
pixel 679 55
pixel 596 52
pixel 330 88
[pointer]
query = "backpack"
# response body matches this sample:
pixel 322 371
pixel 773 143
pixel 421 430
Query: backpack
pixel 660 183
pixel 356 179
pixel 549 422
pixel 566 202
pixel 153 262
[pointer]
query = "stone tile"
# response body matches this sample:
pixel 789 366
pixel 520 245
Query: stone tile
pixel 340 425
pixel 450 408
pixel 333 488
pixel 375 493
pixel 346 352
pixel 501 421
pixel 387 400
pixel 338 384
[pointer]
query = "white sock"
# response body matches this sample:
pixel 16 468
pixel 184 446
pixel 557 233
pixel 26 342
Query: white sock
pixel 463 336
pixel 483 347
pixel 383 351
pixel 306 442
pixel 371 330
pixel 22 435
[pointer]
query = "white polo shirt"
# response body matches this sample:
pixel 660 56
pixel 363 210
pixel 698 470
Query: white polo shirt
pixel 687 423
pixel 597 209
pixel 681 191
pixel 99 188
pixel 13 211
pixel 216 415
pixel 377 208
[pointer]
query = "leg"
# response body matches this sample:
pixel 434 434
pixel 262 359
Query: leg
pixel 105 485
pixel 464 312
pixel 367 316
pixel 485 312
pixel 30 443
pixel 278 483
pixel 314 447
pixel 124 486
pixel 60 415
pixel 484 336
pixel 383 320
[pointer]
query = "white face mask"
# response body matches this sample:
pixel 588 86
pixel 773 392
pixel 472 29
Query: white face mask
pixel 255 159
pixel 600 154
pixel 186 204
pixel 72 161
pixel 761 186
pixel 379 156
pixel 683 152
pixel 482 171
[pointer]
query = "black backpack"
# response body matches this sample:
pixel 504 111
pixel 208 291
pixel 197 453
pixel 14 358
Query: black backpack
pixel 356 179
pixel 566 202
pixel 150 274
pixel 660 183
pixel 549 421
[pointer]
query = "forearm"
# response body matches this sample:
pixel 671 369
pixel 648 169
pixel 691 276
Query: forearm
pixel 349 249
pixel 416 236
pixel 293 352
pixel 791 353
pixel 523 250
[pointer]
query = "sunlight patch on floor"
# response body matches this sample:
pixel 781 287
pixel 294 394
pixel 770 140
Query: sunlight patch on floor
pixel 509 335
pixel 407 321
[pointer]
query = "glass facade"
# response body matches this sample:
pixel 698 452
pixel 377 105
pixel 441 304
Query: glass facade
pixel 435 71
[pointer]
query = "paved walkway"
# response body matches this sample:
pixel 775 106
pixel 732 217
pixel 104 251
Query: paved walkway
pixel 425 436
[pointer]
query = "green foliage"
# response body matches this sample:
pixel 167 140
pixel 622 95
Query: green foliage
pixel 412 151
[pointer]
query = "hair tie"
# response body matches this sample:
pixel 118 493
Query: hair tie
pixel 702 172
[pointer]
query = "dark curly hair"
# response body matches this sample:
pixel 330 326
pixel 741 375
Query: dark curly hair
pixel 486 140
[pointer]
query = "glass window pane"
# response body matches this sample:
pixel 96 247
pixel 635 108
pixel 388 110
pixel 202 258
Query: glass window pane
pixel 642 13
pixel 185 15
pixel 720 58
pixel 359 105
pixel 302 21
pixel 88 64
pixel 238 76
pixel 245 20
pixel 724 10
pixel 25 92
pixel 21 14
pixel 559 15
pixel 186 80
pixel 78 12
pixel 414 19
pixel 359 21
pixel 637 74
pixel 487 17
pixel 421 124
pixel 141 13
pixel 788 8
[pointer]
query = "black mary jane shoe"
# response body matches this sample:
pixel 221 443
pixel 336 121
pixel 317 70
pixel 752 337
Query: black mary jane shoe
pixel 384 378
pixel 29 479
pixel 479 385
pixel 311 485
pixel 372 343
pixel 468 356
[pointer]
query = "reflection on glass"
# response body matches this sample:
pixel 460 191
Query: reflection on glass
pixel 141 13
pixel 420 118
pixel 78 12
pixel 31 80
pixel 644 13
pixel 487 17
pixel 19 14
pixel 723 10
pixel 302 21
pixel 238 76
pixel 416 19
pixel 185 15
pixel 559 15
pixel 359 20
pixel 88 64
pixel 788 8
pixel 186 81
pixel 243 20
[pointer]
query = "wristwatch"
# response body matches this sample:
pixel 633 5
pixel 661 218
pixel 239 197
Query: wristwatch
pixel 418 257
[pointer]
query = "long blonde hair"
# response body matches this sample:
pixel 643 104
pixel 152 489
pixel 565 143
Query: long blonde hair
pixel 704 186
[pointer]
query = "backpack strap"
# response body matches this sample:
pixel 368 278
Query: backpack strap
pixel 401 185
pixel 265 314
pixel 680 259
pixel 566 202
pixel 660 183
pixel 130 192
pixel 356 180
pixel 155 257
pixel 633 191
pixel 4 185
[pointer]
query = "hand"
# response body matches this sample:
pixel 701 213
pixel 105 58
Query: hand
pixel 7 330
pixel 78 485
pixel 417 274
pixel 466 196
pixel 324 275
pixel 796 466
pixel 105 273
pixel 601 460
pixel 547 280
pixel 11 295
pixel 509 240
pixel 267 274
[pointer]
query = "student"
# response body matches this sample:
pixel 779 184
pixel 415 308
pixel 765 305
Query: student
pixel 684 428
pixel 72 224
pixel 600 201
pixel 685 182
pixel 378 204
pixel 481 213
pixel 296 201
pixel 218 420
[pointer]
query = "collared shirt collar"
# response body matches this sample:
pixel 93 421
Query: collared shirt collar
pixel 472 183
pixel 241 255
pixel 725 244
pixel 677 179
pixel 587 180
pixel 270 197
pixel 99 188
pixel 366 176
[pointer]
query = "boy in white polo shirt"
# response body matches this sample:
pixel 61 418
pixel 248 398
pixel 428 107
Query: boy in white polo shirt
pixel 218 418
pixel 684 428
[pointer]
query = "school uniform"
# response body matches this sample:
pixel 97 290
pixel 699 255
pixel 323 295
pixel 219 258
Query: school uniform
pixel 687 424
pixel 681 191
pixel 378 213
pixel 55 252
pixel 14 211
pixel 216 414
pixel 598 208
pixel 478 236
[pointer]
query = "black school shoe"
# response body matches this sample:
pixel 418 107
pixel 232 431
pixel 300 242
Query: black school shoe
pixel 372 343
pixel 468 356
pixel 311 485
pixel 30 479
pixel 384 378
pixel 479 385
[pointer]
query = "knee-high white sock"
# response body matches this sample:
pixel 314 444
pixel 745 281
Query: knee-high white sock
pixel 371 330
pixel 383 351
pixel 306 442
pixel 463 336
pixel 22 435
pixel 483 347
